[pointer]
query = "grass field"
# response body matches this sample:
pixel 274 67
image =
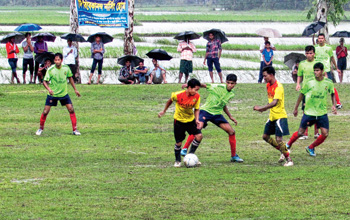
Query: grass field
pixel 122 165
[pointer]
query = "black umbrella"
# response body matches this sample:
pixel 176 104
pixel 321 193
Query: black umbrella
pixel 187 35
pixel 159 54
pixel 40 58
pixel 292 58
pixel 46 37
pixel 218 34
pixel 135 60
pixel 73 37
pixel 313 28
pixel 18 38
pixel 341 34
pixel 105 38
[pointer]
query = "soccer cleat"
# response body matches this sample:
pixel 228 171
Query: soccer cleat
pixel 288 163
pixel 184 152
pixel 339 106
pixel 311 152
pixel 76 132
pixel 39 132
pixel 282 158
pixel 288 147
pixel 198 163
pixel 304 137
pixel 316 135
pixel 177 164
pixel 236 159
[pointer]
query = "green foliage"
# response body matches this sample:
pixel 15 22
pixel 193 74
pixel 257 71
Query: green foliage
pixel 335 10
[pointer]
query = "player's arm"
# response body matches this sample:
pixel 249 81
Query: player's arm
pixel 266 107
pixel 335 64
pixel 46 85
pixel 299 80
pixel 334 109
pixel 167 104
pixel 73 85
pixel 295 112
pixel 229 115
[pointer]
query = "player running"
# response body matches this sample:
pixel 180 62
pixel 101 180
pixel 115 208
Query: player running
pixel 277 123
pixel 185 119
pixel 219 96
pixel 315 92
pixel 57 74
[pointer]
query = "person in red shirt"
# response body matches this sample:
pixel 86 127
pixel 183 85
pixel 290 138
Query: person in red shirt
pixel 342 53
pixel 12 51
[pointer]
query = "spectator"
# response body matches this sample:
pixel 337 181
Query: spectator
pixel 97 51
pixel 187 49
pixel 43 68
pixel 262 47
pixel 213 54
pixel 70 53
pixel 126 75
pixel 157 73
pixel 141 72
pixel 39 47
pixel 28 49
pixel 342 53
pixel 295 71
pixel 12 51
pixel 267 54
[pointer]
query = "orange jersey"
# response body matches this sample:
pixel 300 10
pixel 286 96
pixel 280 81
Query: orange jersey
pixel 184 106
pixel 276 91
pixel 9 48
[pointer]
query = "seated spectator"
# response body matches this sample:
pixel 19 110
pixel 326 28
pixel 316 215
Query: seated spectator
pixel 126 75
pixel 157 73
pixel 43 68
pixel 140 73
pixel 295 71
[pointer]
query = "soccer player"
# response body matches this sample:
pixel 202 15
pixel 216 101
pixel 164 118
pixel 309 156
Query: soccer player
pixel 277 123
pixel 315 92
pixel 57 74
pixel 219 96
pixel 185 119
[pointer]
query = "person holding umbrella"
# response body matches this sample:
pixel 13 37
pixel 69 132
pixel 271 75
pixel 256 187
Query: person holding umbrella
pixel 213 54
pixel 70 53
pixel 126 74
pixel 97 51
pixel 187 49
pixel 342 53
pixel 40 47
pixel 12 51
pixel 262 62
pixel 157 73
pixel 28 59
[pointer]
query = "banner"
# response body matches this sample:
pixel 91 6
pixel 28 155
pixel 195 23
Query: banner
pixel 107 13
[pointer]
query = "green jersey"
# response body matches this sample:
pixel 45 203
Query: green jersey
pixel 58 78
pixel 306 70
pixel 217 99
pixel 323 55
pixel 316 96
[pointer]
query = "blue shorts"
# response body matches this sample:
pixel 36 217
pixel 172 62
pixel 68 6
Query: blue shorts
pixel 320 121
pixel 278 127
pixel 329 75
pixel 13 64
pixel 52 101
pixel 205 116
pixel 215 61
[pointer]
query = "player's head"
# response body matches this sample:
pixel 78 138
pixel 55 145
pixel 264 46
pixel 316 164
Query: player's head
pixel 269 73
pixel 321 38
pixel 193 85
pixel 310 52
pixel 58 59
pixel 318 69
pixel 231 81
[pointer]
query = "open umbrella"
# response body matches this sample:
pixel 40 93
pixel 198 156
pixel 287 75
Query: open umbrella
pixel 105 38
pixel 313 28
pixel 73 37
pixel 341 34
pixel 269 32
pixel 18 38
pixel 40 58
pixel 135 60
pixel 159 54
pixel 292 58
pixel 46 37
pixel 28 27
pixel 218 34
pixel 187 35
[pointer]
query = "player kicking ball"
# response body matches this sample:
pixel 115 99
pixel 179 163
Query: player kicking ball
pixel 185 119
pixel 219 96
pixel 57 74
pixel 315 92
pixel 277 123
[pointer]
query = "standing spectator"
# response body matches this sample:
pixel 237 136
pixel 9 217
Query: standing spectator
pixel 267 54
pixel 12 51
pixel 141 72
pixel 342 53
pixel 262 47
pixel 28 49
pixel 157 73
pixel 97 51
pixel 187 49
pixel 213 54
pixel 295 69
pixel 39 47
pixel 70 52
pixel 126 75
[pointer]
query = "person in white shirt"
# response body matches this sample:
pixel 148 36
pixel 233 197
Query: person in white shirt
pixel 262 47
pixel 28 59
pixel 70 53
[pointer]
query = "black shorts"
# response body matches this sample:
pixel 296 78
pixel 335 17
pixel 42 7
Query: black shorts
pixel 320 121
pixel 342 63
pixel 278 127
pixel 180 129
pixel 52 101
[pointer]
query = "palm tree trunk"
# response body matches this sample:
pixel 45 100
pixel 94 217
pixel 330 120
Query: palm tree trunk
pixel 128 34
pixel 74 28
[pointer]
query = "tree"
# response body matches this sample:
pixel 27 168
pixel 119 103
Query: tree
pixel 128 34
pixel 74 28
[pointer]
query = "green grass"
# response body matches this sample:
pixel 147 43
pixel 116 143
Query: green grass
pixel 122 165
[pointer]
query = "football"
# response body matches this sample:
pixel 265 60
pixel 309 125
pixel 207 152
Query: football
pixel 190 160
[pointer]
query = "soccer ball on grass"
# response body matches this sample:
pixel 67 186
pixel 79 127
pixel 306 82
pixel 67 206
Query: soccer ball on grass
pixel 190 160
